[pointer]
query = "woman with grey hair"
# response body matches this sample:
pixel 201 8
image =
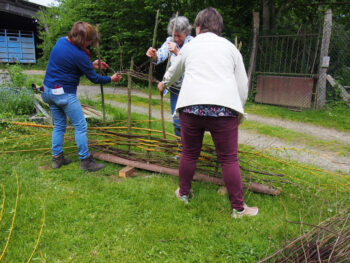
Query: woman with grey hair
pixel 182 36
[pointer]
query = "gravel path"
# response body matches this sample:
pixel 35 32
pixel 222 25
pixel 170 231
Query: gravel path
pixel 92 91
pixel 313 130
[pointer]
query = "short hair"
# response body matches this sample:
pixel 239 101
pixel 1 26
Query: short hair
pixel 82 32
pixel 209 20
pixel 182 25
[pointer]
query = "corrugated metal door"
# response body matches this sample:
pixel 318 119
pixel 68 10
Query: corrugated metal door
pixel 17 46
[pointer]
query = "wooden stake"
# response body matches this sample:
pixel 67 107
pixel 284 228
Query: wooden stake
pixel 101 85
pixel 150 77
pixel 161 95
pixel 150 72
pixel 172 35
pixel 252 61
pixel 129 98
pixel 162 114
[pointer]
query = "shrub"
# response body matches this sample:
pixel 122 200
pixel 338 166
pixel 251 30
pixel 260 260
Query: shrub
pixel 16 101
pixel 17 78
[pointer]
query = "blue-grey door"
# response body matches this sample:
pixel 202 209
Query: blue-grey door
pixel 17 46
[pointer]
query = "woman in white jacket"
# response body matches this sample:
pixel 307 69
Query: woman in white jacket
pixel 213 93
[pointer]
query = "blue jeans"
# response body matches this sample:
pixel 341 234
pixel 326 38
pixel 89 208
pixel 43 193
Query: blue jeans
pixel 61 107
pixel 174 95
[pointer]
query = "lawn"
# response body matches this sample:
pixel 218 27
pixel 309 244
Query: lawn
pixel 336 116
pixel 99 217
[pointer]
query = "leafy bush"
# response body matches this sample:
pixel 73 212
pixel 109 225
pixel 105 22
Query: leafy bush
pixel 17 78
pixel 345 76
pixel 16 101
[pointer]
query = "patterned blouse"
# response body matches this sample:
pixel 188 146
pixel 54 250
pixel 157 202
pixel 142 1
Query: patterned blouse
pixel 210 111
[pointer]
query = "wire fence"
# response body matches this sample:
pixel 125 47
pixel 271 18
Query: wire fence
pixel 339 53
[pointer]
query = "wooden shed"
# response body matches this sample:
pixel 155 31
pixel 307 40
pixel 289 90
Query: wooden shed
pixel 18 31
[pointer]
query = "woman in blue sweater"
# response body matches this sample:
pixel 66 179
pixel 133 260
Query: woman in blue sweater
pixel 69 60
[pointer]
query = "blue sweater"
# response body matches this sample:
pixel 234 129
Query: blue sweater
pixel 67 63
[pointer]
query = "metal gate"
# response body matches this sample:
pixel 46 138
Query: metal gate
pixel 287 66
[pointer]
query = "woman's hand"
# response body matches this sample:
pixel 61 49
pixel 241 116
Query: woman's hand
pixel 161 87
pixel 173 48
pixel 116 77
pixel 152 53
pixel 96 65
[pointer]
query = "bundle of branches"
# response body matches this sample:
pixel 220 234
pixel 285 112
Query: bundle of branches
pixel 327 242
pixel 139 146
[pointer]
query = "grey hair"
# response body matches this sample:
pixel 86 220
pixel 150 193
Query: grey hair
pixel 182 25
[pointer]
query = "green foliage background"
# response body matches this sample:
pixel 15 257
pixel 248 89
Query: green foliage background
pixel 126 27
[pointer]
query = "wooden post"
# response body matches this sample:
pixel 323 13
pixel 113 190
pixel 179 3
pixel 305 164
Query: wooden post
pixel 161 95
pixel 324 61
pixel 252 61
pixel 129 98
pixel 101 85
pixel 162 114
pixel 150 73
pixel 172 35
pixel 150 78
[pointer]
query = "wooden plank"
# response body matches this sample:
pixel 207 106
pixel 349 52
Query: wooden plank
pixel 126 171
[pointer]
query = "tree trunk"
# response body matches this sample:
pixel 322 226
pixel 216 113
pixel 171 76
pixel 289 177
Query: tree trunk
pixel 266 15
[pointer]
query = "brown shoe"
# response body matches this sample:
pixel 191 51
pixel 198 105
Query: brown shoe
pixel 59 160
pixel 247 211
pixel 89 164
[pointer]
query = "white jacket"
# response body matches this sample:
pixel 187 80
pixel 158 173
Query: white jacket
pixel 214 73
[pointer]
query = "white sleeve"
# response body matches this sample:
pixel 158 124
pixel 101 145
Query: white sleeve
pixel 176 70
pixel 241 77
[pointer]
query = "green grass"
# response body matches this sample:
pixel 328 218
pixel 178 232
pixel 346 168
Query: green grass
pixel 295 137
pixel 337 117
pixel 97 217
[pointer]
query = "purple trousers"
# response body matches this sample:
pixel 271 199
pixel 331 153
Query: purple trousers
pixel 224 131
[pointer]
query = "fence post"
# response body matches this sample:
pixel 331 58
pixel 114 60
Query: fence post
pixel 252 61
pixel 129 97
pixel 324 61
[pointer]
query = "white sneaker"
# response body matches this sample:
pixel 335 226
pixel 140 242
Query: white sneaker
pixel 247 211
pixel 183 198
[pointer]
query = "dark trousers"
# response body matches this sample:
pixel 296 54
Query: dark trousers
pixel 224 131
